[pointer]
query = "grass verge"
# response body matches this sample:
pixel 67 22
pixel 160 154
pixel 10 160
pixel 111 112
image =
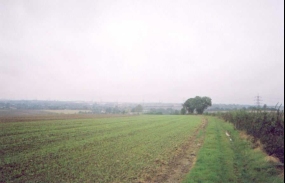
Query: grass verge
pixel 222 160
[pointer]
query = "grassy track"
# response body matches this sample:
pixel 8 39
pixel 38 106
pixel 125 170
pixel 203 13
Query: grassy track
pixel 222 160
pixel 90 150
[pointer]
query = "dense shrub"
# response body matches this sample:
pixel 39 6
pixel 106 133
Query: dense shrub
pixel 268 127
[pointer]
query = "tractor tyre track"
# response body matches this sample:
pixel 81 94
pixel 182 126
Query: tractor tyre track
pixel 181 163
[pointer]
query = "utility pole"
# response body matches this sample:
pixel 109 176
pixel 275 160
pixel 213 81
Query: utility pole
pixel 258 100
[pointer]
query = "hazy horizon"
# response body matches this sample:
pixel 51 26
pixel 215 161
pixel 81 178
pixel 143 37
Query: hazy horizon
pixel 139 102
pixel 133 51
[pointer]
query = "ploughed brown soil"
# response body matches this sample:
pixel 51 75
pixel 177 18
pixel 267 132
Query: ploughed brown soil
pixel 35 115
pixel 181 163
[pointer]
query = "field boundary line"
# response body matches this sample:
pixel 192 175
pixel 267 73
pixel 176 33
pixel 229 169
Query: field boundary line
pixel 182 162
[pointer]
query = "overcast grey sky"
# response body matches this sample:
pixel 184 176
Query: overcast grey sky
pixel 135 50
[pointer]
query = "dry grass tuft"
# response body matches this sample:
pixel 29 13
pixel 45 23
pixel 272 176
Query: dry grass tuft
pixel 258 147
pixel 272 159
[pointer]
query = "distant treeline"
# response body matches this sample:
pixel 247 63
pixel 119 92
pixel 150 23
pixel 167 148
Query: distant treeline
pixel 268 127
pixel 161 111
pixel 233 107
pixel 44 105
pixel 92 107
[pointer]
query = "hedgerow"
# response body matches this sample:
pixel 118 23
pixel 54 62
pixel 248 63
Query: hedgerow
pixel 268 127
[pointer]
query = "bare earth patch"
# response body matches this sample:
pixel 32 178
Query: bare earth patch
pixel 181 163
pixel 38 115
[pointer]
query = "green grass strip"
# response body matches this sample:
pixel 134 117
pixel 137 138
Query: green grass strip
pixel 222 160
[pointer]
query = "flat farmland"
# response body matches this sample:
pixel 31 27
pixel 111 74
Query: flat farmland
pixel 114 149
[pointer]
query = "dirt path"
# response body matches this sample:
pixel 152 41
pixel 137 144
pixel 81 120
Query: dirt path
pixel 182 162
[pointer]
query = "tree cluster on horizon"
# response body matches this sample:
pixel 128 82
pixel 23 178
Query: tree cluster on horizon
pixel 198 104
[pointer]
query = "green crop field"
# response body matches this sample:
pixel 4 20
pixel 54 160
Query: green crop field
pixel 119 149
pixel 137 149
